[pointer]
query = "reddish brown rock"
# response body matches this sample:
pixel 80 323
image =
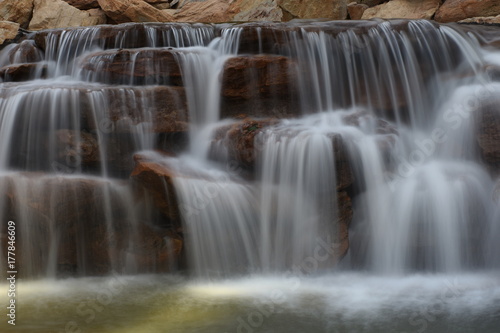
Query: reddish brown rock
pixel 259 86
pixel 166 105
pixel 138 248
pixel 243 141
pixel 77 146
pixel 145 66
pixel 488 134
pixel 22 72
pixel 87 223
pixel 456 10
pixel 157 179
pixel 59 208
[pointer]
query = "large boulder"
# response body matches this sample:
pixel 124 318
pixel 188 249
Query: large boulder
pixel 403 9
pixel 156 178
pixel 51 14
pixel 456 10
pixel 244 140
pixel 25 52
pixel 344 218
pixel 496 191
pixel 312 9
pixel 370 3
pixel 122 11
pixel 210 11
pixel 262 10
pixel 240 141
pixel 103 37
pixel 18 11
pixel 8 30
pixel 125 66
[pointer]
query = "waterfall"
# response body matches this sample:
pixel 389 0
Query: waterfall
pixel 287 148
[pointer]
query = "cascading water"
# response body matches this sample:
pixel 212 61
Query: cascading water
pixel 319 171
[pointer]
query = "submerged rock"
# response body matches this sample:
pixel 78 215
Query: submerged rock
pixel 157 180
pixel 488 134
pixel 83 226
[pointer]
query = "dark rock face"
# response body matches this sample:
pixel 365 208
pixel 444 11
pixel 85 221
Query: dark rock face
pixel 456 10
pixel 83 4
pixel 25 52
pixel 142 91
pixel 259 86
pixel 157 181
pixel 143 67
pixel 90 238
pixel 241 141
pixel 343 222
pixel 488 134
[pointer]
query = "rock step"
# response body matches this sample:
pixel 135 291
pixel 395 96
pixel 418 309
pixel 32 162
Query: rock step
pixel 23 72
pixel 165 107
pixel 127 35
pixel 133 66
pixel 68 214
pixel 155 174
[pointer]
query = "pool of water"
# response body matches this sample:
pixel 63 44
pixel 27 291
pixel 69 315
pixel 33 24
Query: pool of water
pixel 347 302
